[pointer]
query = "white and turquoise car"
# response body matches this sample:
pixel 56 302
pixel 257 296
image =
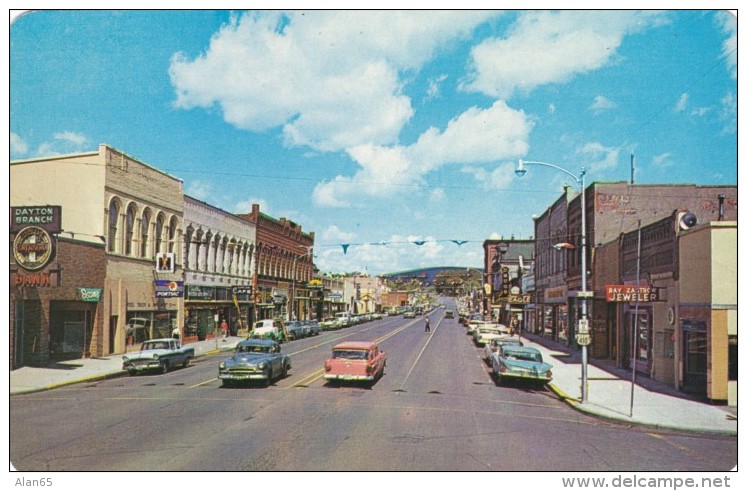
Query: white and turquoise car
pixel 158 355
pixel 520 362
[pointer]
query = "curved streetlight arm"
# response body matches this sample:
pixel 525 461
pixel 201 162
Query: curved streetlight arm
pixel 520 170
pixel 580 180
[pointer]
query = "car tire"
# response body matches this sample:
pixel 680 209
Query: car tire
pixel 226 383
pixel 164 367
pixel 132 372
pixel 268 381
pixel 186 362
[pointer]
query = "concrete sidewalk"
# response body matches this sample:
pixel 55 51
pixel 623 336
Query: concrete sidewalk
pixel 34 379
pixel 609 389
pixel 655 404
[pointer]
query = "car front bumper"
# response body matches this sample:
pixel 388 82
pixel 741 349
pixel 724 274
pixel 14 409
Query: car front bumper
pixel 141 366
pixel 243 376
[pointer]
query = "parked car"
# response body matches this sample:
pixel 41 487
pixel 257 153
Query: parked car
pixel 492 346
pixel 313 327
pixel 486 332
pixel 409 314
pixel 158 354
pixel 473 325
pixel 355 361
pixel 329 324
pixel 254 359
pixel 520 362
pixel 272 329
pixel 296 330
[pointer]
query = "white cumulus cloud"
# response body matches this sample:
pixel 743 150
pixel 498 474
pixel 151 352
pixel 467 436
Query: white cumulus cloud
pixel 330 79
pixel 560 45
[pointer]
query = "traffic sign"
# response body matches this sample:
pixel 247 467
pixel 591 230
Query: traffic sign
pixel 583 339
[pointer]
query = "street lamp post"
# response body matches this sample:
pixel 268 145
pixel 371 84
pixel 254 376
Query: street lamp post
pixel 583 325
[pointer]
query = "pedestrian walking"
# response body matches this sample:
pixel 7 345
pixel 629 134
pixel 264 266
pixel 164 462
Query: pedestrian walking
pixel 427 324
pixel 224 328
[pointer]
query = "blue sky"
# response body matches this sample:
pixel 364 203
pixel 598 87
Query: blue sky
pixel 395 133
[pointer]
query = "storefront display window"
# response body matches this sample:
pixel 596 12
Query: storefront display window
pixel 562 321
pixel 695 341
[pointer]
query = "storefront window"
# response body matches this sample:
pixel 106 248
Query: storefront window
pixel 562 322
pixel 548 322
pixel 144 325
pixel 643 333
pixel 695 345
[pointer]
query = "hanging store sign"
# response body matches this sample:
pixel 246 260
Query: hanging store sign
pixel 169 289
pixel 631 293
pixel 32 248
pixel 524 298
pixel 46 217
pixel 89 294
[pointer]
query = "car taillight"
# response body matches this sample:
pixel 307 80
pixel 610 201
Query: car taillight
pixel 369 368
pixel 327 366
pixel 502 369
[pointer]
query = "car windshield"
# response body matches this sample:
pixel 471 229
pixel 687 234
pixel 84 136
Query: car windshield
pixel 523 356
pixel 253 348
pixel 155 345
pixel 350 354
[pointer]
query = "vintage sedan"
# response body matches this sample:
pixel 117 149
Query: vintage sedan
pixel 359 361
pixel 520 362
pixel 485 333
pixel 254 359
pixel 158 354
pixel 496 343
pixel 296 330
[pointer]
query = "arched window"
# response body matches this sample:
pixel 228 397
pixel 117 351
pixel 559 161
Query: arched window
pixel 144 228
pixel 173 224
pixel 113 219
pixel 159 234
pixel 129 229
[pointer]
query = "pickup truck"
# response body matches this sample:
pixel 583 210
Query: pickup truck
pixel 158 354
pixel 361 361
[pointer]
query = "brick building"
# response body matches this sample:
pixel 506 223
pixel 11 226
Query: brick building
pixel 117 216
pixel 283 267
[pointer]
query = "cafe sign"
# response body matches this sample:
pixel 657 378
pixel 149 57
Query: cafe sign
pixel 632 293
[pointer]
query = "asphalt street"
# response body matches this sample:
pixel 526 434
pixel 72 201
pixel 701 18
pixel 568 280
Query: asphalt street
pixel 435 409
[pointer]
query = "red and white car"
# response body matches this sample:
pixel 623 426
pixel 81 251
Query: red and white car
pixel 359 361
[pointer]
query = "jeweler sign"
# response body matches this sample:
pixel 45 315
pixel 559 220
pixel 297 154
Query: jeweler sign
pixel 631 293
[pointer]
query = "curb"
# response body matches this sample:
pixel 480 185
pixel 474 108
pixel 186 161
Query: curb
pixel 576 404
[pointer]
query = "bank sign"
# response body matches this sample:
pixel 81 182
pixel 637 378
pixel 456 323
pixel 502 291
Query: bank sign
pixel 47 217
pixel 632 293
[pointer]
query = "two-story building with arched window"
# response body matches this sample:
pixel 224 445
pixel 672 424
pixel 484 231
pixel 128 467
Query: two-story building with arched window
pixel 112 271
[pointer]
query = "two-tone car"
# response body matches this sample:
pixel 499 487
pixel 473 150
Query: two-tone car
pixel 487 332
pixel 254 360
pixel 158 355
pixel 355 361
pixel 492 346
pixel 520 363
